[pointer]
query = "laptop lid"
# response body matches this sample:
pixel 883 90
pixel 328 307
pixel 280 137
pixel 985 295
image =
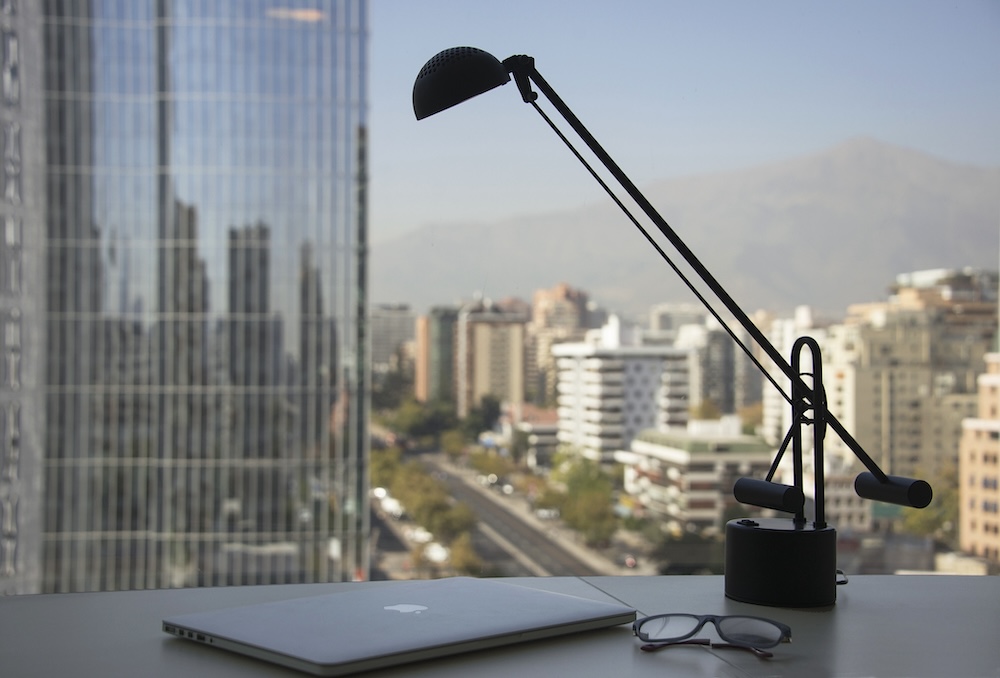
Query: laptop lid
pixel 379 626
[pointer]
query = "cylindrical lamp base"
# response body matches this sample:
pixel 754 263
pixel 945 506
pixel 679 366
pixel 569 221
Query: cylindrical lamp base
pixel 774 562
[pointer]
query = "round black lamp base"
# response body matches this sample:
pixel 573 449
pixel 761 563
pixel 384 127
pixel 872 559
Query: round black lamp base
pixel 774 562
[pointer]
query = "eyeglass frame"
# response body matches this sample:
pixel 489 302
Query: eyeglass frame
pixel 688 638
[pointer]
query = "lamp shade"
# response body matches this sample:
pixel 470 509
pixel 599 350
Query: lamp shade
pixel 454 75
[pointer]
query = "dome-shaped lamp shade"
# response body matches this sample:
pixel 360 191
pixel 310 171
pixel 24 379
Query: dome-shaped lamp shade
pixel 454 75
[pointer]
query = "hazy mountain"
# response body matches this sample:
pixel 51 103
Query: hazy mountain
pixel 826 230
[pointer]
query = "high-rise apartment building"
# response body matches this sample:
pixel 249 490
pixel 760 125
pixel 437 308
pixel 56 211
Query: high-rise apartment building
pixel 782 333
pixel 183 293
pixel 901 374
pixel 721 374
pixel 979 471
pixel 611 387
pixel 434 369
pixel 558 315
pixel 666 319
pixel 489 355
pixel 392 327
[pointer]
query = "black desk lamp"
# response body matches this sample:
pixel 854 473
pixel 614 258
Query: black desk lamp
pixel 779 562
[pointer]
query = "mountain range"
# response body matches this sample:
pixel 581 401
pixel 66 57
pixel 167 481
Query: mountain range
pixel 826 230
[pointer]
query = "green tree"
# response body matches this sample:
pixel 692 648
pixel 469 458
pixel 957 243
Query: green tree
pixel 489 462
pixel 453 443
pixel 706 409
pixel 551 498
pixel 519 445
pixel 584 474
pixel 483 417
pixel 588 506
pixel 389 390
pixel 384 465
pixel 419 493
pixel 419 420
pixel 409 418
pixel 451 522
pixel 939 520
pixel 752 417
pixel 590 513
pixel 464 558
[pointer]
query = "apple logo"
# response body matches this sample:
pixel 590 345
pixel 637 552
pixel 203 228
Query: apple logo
pixel 406 608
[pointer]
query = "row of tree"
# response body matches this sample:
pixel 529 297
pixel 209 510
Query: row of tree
pixel 427 503
pixel 427 424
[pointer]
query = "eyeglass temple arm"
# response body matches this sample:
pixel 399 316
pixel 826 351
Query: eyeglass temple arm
pixel 655 647
pixel 662 645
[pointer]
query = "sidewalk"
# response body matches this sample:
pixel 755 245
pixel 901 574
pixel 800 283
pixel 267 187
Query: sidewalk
pixel 555 529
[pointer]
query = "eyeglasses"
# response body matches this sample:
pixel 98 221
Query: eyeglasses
pixel 746 633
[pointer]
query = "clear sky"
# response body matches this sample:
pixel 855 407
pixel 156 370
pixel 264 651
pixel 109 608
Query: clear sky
pixel 670 89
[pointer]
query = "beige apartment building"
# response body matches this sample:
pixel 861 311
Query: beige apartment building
pixel 558 315
pixel 434 355
pixel 979 471
pixel 901 374
pixel 489 356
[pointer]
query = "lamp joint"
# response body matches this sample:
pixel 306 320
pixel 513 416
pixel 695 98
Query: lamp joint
pixel 521 67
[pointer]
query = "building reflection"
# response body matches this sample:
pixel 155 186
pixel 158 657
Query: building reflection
pixel 198 304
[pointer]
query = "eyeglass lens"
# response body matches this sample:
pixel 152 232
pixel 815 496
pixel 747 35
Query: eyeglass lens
pixel 743 630
pixel 669 627
pixel 755 632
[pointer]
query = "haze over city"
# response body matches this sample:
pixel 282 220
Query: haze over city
pixel 670 89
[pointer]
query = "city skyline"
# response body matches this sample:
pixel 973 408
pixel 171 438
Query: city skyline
pixel 645 318
pixel 900 374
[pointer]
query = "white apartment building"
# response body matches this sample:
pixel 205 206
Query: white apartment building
pixel 843 508
pixel 782 333
pixel 539 426
pixel 685 477
pixel 610 388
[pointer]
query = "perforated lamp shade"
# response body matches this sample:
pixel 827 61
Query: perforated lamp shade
pixel 454 75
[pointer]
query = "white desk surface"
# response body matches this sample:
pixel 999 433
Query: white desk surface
pixel 880 626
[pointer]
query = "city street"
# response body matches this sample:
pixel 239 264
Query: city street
pixel 546 555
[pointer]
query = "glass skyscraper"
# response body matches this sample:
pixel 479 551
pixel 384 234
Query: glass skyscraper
pixel 182 293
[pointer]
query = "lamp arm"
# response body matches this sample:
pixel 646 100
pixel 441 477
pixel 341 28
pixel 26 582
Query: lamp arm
pixel 523 69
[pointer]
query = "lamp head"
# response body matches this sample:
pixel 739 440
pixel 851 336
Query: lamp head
pixel 766 494
pixel 894 490
pixel 454 75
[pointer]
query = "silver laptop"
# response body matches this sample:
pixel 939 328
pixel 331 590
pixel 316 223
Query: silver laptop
pixel 394 623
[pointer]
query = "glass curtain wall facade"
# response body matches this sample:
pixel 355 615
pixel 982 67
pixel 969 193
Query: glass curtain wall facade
pixel 21 220
pixel 201 378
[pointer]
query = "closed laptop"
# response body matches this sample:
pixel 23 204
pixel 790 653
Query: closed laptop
pixel 376 626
